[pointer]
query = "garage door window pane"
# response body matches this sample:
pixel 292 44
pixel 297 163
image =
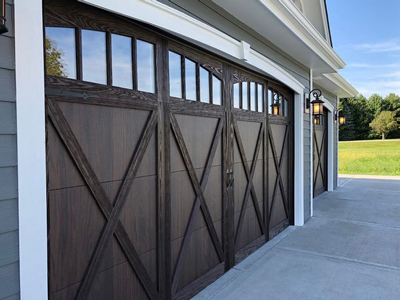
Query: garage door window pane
pixel 253 96
pixel 190 79
pixel 260 97
pixel 286 108
pixel 60 52
pixel 94 56
pixel 122 61
pixel 217 91
pixel 175 75
pixel 270 105
pixel 276 103
pixel 204 85
pixel 146 67
pixel 245 95
pixel 236 95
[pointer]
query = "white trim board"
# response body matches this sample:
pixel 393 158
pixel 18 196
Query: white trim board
pixel 331 126
pixel 31 142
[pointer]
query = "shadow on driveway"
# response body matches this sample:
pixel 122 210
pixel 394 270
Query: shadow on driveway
pixel 350 250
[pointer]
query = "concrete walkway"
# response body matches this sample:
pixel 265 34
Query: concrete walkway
pixel 350 250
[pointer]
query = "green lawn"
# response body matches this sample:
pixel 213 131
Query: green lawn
pixel 370 157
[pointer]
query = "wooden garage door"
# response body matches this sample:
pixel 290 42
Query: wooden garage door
pixel 280 158
pixel 197 122
pixel 320 154
pixel 248 124
pixel 164 166
pixel 105 136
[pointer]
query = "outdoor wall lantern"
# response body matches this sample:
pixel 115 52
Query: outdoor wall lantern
pixel 317 104
pixel 3 27
pixel 342 119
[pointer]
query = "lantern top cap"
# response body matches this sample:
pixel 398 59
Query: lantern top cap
pixel 316 93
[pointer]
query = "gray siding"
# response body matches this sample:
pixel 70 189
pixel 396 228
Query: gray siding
pixel 210 13
pixel 9 257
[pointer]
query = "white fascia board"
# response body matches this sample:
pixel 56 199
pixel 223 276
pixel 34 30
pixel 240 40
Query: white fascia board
pixel 336 84
pixel 167 18
pixel 303 28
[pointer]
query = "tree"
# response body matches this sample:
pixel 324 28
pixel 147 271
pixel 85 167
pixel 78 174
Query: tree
pixel 385 123
pixel 358 117
pixel 54 60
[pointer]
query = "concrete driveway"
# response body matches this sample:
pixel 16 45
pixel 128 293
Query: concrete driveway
pixel 350 249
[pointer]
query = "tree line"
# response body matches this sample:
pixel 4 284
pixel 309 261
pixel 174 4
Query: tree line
pixel 371 118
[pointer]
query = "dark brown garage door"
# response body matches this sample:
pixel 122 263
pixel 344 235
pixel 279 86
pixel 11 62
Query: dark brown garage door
pixel 166 165
pixel 320 154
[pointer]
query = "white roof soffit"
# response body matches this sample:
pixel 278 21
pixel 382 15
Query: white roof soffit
pixel 282 23
pixel 336 84
pixel 160 15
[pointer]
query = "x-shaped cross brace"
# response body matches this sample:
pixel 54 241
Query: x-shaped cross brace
pixel 111 212
pixel 278 167
pixel 199 201
pixel 319 154
pixel 249 176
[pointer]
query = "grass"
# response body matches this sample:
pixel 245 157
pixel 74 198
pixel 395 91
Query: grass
pixel 370 157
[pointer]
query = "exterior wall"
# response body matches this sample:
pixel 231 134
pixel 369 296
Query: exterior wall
pixel 333 100
pixel 9 257
pixel 210 13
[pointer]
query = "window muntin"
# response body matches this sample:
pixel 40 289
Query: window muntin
pixel 94 61
pixel 204 85
pixel 190 80
pixel 121 61
pixel 175 75
pixel 217 91
pixel 146 66
pixel 60 52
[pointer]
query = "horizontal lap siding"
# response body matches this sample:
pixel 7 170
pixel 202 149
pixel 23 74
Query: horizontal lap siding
pixel 211 14
pixel 9 256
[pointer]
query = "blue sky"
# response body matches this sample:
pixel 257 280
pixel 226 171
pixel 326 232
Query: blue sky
pixel 366 34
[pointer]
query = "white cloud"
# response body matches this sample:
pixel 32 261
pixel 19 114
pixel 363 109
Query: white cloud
pixel 392 45
pixel 373 66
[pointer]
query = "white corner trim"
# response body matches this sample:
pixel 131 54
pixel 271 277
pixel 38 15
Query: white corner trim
pixel 162 16
pixel 244 50
pixel 30 101
pixel 298 160
pixel 311 150
pixel 331 126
